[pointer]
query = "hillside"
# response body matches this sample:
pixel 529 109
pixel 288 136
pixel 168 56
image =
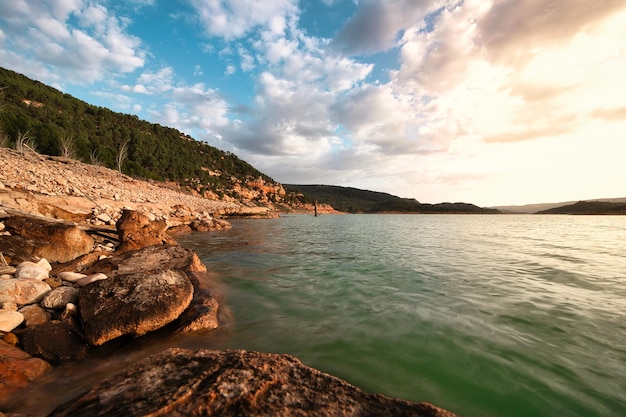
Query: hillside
pixel 354 200
pixel 540 207
pixel 58 124
pixel 589 207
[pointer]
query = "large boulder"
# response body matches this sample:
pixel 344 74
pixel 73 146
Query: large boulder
pixel 136 231
pixel 38 237
pixel 202 314
pixel 133 304
pixel 232 383
pixel 17 370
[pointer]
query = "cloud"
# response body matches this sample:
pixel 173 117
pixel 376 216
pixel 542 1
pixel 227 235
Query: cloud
pixel 42 43
pixel 376 24
pixel 232 19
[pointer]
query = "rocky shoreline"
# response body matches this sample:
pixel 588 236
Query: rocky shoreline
pixel 87 261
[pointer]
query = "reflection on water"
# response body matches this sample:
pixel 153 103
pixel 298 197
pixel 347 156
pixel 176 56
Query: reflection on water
pixel 483 315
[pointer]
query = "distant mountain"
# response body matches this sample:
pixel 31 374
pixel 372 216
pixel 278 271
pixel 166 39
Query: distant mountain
pixel 589 207
pixel 354 200
pixel 540 207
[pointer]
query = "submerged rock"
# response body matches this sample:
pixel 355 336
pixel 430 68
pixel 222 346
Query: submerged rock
pixel 233 383
pixel 133 304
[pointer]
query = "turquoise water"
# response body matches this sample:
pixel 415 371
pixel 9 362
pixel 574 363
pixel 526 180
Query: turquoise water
pixel 482 315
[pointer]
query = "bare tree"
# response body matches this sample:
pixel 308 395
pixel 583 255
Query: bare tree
pixel 67 145
pixel 94 157
pixel 4 140
pixel 122 154
pixel 25 142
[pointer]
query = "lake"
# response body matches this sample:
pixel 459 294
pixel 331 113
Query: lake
pixel 485 315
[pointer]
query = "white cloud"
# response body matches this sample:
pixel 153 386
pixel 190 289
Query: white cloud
pixel 43 44
pixel 232 19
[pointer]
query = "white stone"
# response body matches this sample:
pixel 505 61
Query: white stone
pixel 104 217
pixel 1 226
pixel 101 257
pixel 44 264
pixel 71 276
pixel 91 278
pixel 9 320
pixel 30 270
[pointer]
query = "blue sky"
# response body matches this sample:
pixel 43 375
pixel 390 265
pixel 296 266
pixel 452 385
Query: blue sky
pixel 488 102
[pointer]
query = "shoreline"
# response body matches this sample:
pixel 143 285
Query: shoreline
pixel 124 245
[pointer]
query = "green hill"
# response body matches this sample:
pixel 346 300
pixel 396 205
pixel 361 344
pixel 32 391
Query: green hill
pixel 354 200
pixel 589 207
pixel 59 124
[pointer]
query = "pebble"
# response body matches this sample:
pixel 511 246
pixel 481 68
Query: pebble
pixel 58 298
pixel 71 276
pixel 7 269
pixel 44 264
pixel 30 270
pixel 9 320
pixel 91 278
pixel 34 315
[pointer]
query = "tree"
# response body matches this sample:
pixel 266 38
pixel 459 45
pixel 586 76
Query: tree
pixel 67 146
pixel 122 153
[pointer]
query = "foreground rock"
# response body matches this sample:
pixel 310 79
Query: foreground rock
pixel 202 313
pixel 17 370
pixel 233 383
pixel 133 304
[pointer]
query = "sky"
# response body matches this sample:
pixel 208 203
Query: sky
pixel 491 102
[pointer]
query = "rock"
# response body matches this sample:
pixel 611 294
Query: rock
pixel 202 314
pixel 7 269
pixel 58 298
pixel 70 311
pixel 30 270
pixel 136 231
pixel 44 264
pixel 180 382
pixel 133 304
pixel 18 369
pixel 7 302
pixel 9 320
pixel 53 283
pixel 71 276
pixel 34 315
pixel 24 291
pixel 55 342
pixel 54 240
pixel 91 278
pixel 11 339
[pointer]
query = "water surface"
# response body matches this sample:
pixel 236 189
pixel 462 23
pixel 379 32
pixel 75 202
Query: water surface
pixel 483 315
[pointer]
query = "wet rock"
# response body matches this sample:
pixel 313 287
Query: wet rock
pixel 136 231
pixel 18 369
pixel 9 320
pixel 55 342
pixel 233 383
pixel 53 240
pixel 34 315
pixel 133 304
pixel 24 291
pixel 58 298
